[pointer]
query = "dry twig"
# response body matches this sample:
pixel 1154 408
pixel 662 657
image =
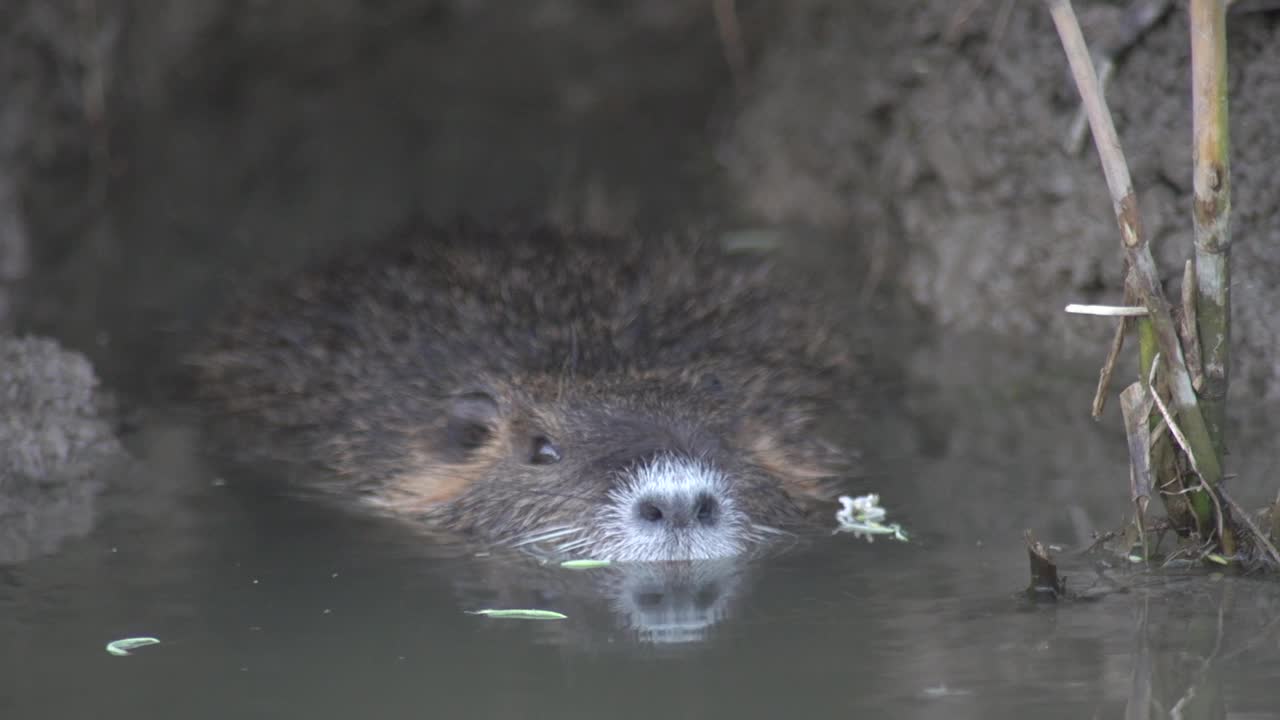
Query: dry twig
pixel 1253 528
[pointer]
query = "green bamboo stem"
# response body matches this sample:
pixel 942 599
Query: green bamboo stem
pixel 1180 390
pixel 1212 208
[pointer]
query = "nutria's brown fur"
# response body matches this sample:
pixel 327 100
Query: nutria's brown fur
pixel 502 381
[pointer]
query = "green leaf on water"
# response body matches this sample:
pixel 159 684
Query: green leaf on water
pixel 121 648
pixel 1214 557
pixel 584 564
pixel 520 614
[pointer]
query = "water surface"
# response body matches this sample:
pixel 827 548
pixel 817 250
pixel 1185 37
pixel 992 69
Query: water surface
pixel 267 606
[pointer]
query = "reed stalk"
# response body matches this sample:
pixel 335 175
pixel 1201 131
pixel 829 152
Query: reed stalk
pixel 1143 275
pixel 1212 208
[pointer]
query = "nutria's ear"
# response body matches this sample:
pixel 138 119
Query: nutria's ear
pixel 471 420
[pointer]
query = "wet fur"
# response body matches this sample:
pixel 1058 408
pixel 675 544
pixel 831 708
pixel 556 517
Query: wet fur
pixel 616 347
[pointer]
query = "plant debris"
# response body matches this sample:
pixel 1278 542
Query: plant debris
pixel 520 614
pixel 1045 583
pixel 862 516
pixel 120 648
pixel 585 564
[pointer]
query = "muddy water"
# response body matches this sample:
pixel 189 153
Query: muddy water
pixel 267 607
pixel 271 607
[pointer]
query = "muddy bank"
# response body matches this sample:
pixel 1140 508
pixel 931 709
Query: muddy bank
pixel 941 126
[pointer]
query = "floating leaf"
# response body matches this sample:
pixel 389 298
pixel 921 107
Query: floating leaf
pixel 121 648
pixel 1214 557
pixel 584 564
pixel 520 614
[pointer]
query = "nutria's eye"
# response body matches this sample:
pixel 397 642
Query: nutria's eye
pixel 545 452
pixel 472 420
pixel 710 382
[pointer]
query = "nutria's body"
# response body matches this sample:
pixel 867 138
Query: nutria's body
pixel 624 398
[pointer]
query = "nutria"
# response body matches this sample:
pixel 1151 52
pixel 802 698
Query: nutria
pixel 622 398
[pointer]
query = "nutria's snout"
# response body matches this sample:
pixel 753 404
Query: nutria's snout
pixel 672 508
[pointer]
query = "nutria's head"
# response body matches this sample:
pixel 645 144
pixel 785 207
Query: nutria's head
pixel 658 466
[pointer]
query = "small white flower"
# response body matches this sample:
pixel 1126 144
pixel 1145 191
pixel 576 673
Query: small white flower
pixel 862 515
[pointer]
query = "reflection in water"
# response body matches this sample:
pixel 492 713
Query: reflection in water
pixel 54 446
pixel 1191 644
pixel 675 602
pixel 623 604
pixel 36 518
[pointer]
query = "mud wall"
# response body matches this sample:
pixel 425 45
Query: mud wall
pixel 937 130
pixel 164 151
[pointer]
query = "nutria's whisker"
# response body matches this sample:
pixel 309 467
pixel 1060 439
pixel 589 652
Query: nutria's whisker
pixel 771 530
pixel 559 495
pixel 573 545
pixel 546 535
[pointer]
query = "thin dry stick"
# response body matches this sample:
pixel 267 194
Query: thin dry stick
pixel 1104 130
pixel 1141 264
pixel 1075 134
pixel 1108 369
pixel 1271 549
pixel 1168 419
pixel 1139 17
